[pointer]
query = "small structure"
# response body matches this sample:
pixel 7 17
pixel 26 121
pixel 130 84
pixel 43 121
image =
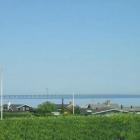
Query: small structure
pixel 17 108
pixel 56 113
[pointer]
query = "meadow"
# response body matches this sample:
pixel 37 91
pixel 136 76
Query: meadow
pixel 114 127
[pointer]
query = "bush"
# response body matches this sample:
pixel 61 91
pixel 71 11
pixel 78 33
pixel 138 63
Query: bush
pixel 46 108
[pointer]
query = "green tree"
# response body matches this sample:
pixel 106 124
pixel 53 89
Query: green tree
pixel 77 110
pixel 46 108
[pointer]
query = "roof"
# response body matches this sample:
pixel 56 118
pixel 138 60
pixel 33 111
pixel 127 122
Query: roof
pixel 23 106
pixel 110 110
pixel 58 106
pixel 106 104
pixel 15 106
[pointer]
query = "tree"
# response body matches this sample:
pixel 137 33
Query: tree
pixel 62 107
pixel 46 108
pixel 77 110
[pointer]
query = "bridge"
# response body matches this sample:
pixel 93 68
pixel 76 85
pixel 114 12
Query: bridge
pixel 38 96
pixel 65 96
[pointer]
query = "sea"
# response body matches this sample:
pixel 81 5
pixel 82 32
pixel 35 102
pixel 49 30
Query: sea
pixel 81 100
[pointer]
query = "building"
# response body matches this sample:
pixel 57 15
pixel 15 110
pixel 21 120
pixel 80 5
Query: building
pixel 109 111
pixel 107 106
pixel 65 108
pixel 17 108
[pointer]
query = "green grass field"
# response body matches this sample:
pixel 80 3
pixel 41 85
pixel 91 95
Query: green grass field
pixel 115 127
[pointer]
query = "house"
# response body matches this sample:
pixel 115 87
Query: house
pixel 85 111
pixel 64 108
pixel 17 107
pixel 132 109
pixel 107 106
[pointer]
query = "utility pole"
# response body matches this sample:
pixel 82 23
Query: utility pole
pixel 62 106
pixel 1 91
pixel 47 91
pixel 73 104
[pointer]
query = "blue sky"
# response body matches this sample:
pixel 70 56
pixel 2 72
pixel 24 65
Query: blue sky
pixel 86 46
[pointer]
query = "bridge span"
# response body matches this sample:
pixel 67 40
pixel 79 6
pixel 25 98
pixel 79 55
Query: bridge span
pixel 66 96
pixel 38 96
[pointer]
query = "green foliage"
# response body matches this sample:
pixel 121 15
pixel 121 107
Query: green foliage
pixel 77 110
pixel 116 127
pixel 17 114
pixel 46 108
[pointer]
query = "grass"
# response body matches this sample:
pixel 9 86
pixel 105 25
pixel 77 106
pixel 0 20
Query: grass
pixel 114 127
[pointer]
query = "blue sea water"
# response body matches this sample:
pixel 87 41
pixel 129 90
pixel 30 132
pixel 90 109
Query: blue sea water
pixel 125 100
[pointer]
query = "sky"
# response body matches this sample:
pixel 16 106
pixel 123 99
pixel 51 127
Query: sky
pixel 65 46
